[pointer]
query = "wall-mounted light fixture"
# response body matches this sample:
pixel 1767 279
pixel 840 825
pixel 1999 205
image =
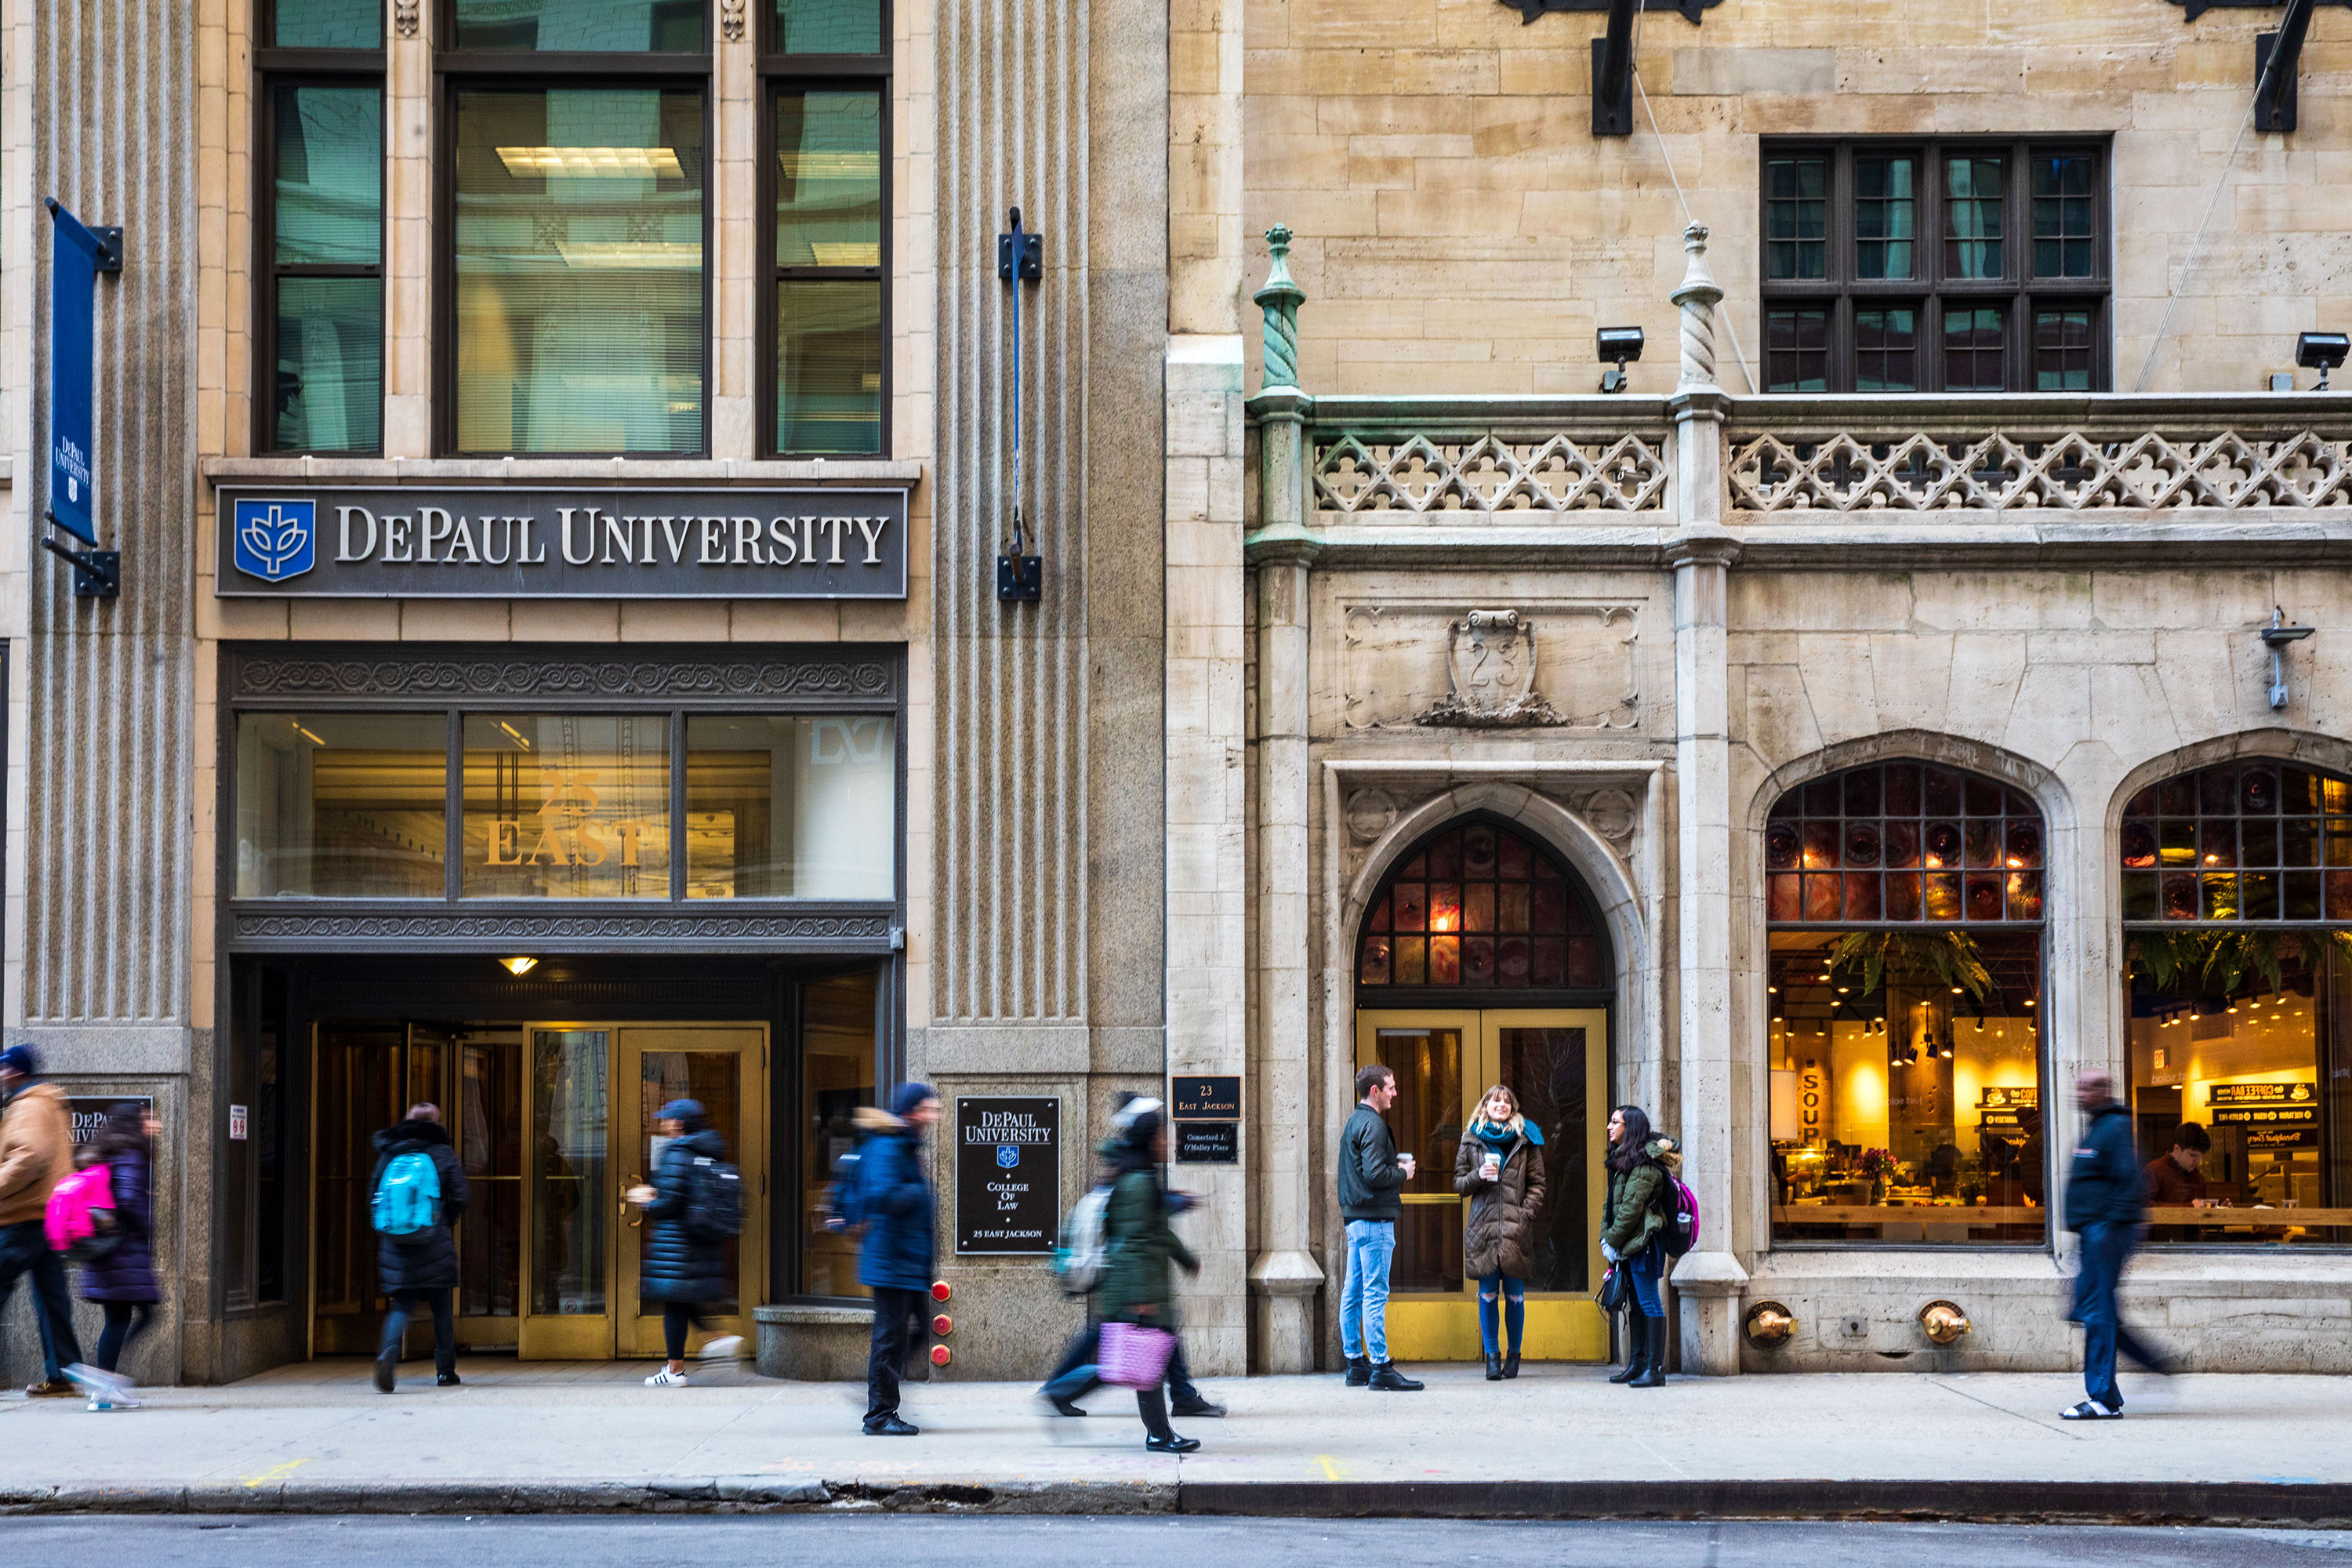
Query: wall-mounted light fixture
pixel 2275 636
pixel 2322 352
pixel 1622 345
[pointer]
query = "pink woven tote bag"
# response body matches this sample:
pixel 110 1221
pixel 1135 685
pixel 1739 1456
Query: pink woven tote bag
pixel 1133 1356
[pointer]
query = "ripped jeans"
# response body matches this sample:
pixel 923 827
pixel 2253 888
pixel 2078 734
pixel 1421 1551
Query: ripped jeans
pixel 1513 1294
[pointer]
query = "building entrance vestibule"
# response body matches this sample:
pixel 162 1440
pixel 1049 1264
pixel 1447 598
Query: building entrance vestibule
pixel 1483 960
pixel 553 1120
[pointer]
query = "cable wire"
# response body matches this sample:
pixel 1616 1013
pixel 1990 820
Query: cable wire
pixel 1667 158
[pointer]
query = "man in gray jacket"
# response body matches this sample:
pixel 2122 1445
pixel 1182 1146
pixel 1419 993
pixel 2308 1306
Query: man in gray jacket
pixel 1372 1174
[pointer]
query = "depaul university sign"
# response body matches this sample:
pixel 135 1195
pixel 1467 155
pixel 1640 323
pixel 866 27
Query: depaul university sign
pixel 425 542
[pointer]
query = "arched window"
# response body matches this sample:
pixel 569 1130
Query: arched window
pixel 2237 905
pixel 1904 904
pixel 1480 907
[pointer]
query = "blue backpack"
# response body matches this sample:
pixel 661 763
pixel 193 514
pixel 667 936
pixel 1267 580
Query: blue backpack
pixel 408 1198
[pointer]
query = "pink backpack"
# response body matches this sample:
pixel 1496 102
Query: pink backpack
pixel 80 1217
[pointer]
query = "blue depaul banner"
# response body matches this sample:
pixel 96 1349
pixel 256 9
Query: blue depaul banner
pixel 74 256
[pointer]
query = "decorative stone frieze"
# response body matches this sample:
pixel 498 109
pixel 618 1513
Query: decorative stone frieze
pixel 2071 471
pixel 1408 664
pixel 1488 474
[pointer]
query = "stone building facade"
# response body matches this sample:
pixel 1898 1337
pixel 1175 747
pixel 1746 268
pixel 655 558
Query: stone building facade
pixel 1391 693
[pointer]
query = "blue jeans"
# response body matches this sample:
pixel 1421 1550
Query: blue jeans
pixel 1642 1272
pixel 1371 1244
pixel 2105 1249
pixel 24 1250
pixel 1515 1311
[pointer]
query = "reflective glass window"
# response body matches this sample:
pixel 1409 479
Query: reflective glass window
pixel 620 27
pixel 325 269
pixel 579 279
pixel 829 287
pixel 827 27
pixel 341 805
pixel 798 807
pixel 326 25
pixel 566 807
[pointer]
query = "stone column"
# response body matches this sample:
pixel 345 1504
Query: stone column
pixel 1714 1109
pixel 1284 1274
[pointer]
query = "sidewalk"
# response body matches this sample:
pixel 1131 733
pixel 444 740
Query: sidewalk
pixel 1559 1442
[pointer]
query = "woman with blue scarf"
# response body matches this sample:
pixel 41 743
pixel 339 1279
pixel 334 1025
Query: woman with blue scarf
pixel 1500 1169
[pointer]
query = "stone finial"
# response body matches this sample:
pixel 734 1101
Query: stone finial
pixel 1698 297
pixel 1280 299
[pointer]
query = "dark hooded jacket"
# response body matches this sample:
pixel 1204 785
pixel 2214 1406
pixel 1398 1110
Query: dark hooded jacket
pixel 678 1266
pixel 894 1205
pixel 428 1262
pixel 2104 1184
pixel 127 1273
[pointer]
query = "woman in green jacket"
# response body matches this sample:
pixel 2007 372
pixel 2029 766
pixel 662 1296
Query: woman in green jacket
pixel 1136 1288
pixel 1640 1170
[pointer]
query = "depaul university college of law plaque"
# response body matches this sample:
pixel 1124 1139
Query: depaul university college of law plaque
pixel 422 542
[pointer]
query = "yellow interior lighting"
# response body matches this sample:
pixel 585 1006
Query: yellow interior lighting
pixel 592 163
pixel 519 964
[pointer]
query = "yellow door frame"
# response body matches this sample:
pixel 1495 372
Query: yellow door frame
pixel 1560 1326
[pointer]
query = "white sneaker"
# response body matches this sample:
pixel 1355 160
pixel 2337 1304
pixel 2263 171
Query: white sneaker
pixel 665 1378
pixel 723 1348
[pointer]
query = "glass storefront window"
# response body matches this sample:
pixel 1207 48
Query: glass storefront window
pixel 791 807
pixel 1907 1082
pixel 566 807
pixel 838 1033
pixel 627 27
pixel 568 1107
pixel 579 243
pixel 2241 1002
pixel 341 805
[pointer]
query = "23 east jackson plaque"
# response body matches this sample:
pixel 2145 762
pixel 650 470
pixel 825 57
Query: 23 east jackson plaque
pixel 1008 1175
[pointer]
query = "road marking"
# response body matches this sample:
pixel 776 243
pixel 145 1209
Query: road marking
pixel 1333 1470
pixel 275 1473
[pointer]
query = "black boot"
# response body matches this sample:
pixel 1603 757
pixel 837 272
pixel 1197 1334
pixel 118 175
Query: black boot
pixel 1511 1363
pixel 1360 1371
pixel 1152 1405
pixel 1494 1367
pixel 1654 1376
pixel 1388 1379
pixel 1637 1347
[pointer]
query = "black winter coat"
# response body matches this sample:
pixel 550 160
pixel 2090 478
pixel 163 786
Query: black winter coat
pixel 678 1267
pixel 894 1203
pixel 128 1273
pixel 429 1262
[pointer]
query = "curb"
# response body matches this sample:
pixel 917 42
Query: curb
pixel 2322 1505
pixel 711 1494
pixel 2325 1504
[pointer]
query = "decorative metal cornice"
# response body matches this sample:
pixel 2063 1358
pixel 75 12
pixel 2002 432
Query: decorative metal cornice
pixel 657 929
pixel 717 679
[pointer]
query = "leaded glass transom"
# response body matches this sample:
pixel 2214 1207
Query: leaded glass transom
pixel 1902 842
pixel 2240 841
pixel 1480 905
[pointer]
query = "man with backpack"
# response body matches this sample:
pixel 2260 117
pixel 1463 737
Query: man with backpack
pixel 36 1154
pixel 418 1191
pixel 694 1206
pixel 891 1200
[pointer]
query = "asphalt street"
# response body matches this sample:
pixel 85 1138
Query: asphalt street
pixel 872 1542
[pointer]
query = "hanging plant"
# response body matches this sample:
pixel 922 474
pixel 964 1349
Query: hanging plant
pixel 2217 962
pixel 1951 956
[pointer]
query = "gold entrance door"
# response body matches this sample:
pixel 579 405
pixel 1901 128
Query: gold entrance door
pixel 569 1214
pixel 1556 1061
pixel 723 1067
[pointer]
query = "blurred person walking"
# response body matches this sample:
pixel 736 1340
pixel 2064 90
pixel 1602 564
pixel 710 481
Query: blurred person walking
pixel 122 1279
pixel 419 1192
pixel 1500 1169
pixel 895 1203
pixel 36 1154
pixel 1372 1176
pixel 1640 1168
pixel 2103 1189
pixel 685 1266
pixel 1136 1289
pixel 1083 1350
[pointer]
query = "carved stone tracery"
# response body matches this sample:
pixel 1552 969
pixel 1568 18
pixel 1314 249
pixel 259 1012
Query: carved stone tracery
pixel 1415 474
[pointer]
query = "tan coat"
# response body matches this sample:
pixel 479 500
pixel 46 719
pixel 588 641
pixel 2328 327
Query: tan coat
pixel 1499 1235
pixel 36 1152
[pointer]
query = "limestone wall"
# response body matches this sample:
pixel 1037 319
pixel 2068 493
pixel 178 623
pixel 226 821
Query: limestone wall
pixel 1460 228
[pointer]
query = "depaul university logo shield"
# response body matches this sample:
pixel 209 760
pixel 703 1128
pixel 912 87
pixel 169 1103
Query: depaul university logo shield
pixel 275 539
pixel 1008 1156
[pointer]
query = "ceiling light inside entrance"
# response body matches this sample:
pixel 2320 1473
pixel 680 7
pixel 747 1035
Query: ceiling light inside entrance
pixel 520 965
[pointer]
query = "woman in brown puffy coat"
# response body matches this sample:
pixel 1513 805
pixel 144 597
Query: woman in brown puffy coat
pixel 1500 1169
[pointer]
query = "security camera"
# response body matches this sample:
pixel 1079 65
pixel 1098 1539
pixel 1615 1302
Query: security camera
pixel 2322 352
pixel 1623 344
